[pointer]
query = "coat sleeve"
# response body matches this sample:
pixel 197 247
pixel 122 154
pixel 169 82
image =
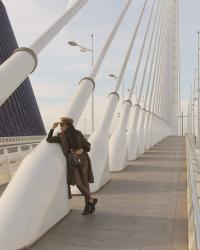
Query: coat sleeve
pixel 85 143
pixel 52 139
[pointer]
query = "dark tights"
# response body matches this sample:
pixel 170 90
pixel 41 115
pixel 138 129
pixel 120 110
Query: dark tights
pixel 80 174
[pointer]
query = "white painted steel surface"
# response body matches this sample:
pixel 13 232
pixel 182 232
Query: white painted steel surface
pixel 40 182
pixel 117 154
pixel 118 150
pixel 141 131
pixel 17 67
pixel 99 153
pixel 99 139
pixel 132 134
pixel 13 72
pixel 43 173
pixel 79 100
pixel 35 199
pixel 146 130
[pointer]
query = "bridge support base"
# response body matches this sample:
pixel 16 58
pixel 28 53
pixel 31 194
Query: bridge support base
pixel 132 139
pixel 35 199
pixel 118 151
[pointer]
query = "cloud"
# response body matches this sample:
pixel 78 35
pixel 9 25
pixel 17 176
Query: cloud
pixel 61 66
pixel 51 90
pixel 51 111
pixel 30 19
pixel 80 67
pixel 100 108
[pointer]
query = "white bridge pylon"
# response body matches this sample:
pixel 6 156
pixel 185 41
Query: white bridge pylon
pixel 36 198
pixel 118 161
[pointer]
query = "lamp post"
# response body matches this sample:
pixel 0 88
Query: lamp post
pixel 84 49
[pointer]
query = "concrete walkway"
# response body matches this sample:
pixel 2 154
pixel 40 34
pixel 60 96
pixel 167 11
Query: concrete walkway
pixel 142 208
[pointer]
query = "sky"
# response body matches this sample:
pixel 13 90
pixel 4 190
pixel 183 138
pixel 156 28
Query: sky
pixel 61 67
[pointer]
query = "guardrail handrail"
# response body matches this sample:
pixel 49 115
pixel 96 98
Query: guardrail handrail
pixel 20 139
pixel 191 157
pixel 11 155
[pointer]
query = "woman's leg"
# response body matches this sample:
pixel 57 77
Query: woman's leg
pixel 80 184
pixel 84 178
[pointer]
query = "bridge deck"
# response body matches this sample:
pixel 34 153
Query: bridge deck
pixel 142 208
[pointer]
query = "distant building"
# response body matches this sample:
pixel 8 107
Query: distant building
pixel 19 115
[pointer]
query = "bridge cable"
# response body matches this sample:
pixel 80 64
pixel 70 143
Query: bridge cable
pixel 154 63
pixel 149 52
pixel 141 53
pixel 159 108
pixel 51 32
pixel 124 65
pixel 156 70
pixel 79 99
pixel 108 42
pixel 156 41
pixel 159 84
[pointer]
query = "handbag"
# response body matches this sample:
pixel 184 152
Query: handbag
pixel 76 160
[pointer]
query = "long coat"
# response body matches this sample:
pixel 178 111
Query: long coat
pixel 81 142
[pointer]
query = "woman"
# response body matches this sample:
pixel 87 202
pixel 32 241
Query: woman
pixel 73 141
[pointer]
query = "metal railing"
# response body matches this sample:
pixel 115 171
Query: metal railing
pixel 20 139
pixel 11 157
pixel 193 194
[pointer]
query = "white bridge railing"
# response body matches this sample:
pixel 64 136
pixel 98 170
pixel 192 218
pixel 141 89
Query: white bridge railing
pixel 20 139
pixel 12 155
pixel 193 194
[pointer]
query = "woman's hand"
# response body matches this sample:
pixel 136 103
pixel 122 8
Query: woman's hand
pixel 55 125
pixel 78 152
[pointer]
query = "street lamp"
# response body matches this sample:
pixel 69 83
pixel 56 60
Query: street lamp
pixel 84 49
pixel 72 43
pixel 115 77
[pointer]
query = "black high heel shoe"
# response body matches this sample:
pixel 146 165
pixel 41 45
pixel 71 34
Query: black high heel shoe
pixel 86 210
pixel 92 205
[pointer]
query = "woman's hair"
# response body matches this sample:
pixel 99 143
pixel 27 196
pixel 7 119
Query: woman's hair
pixel 71 135
pixel 71 129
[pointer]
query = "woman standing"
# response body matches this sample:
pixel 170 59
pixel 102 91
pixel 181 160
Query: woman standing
pixel 74 145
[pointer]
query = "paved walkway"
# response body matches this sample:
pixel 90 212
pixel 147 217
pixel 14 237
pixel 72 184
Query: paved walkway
pixel 142 208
